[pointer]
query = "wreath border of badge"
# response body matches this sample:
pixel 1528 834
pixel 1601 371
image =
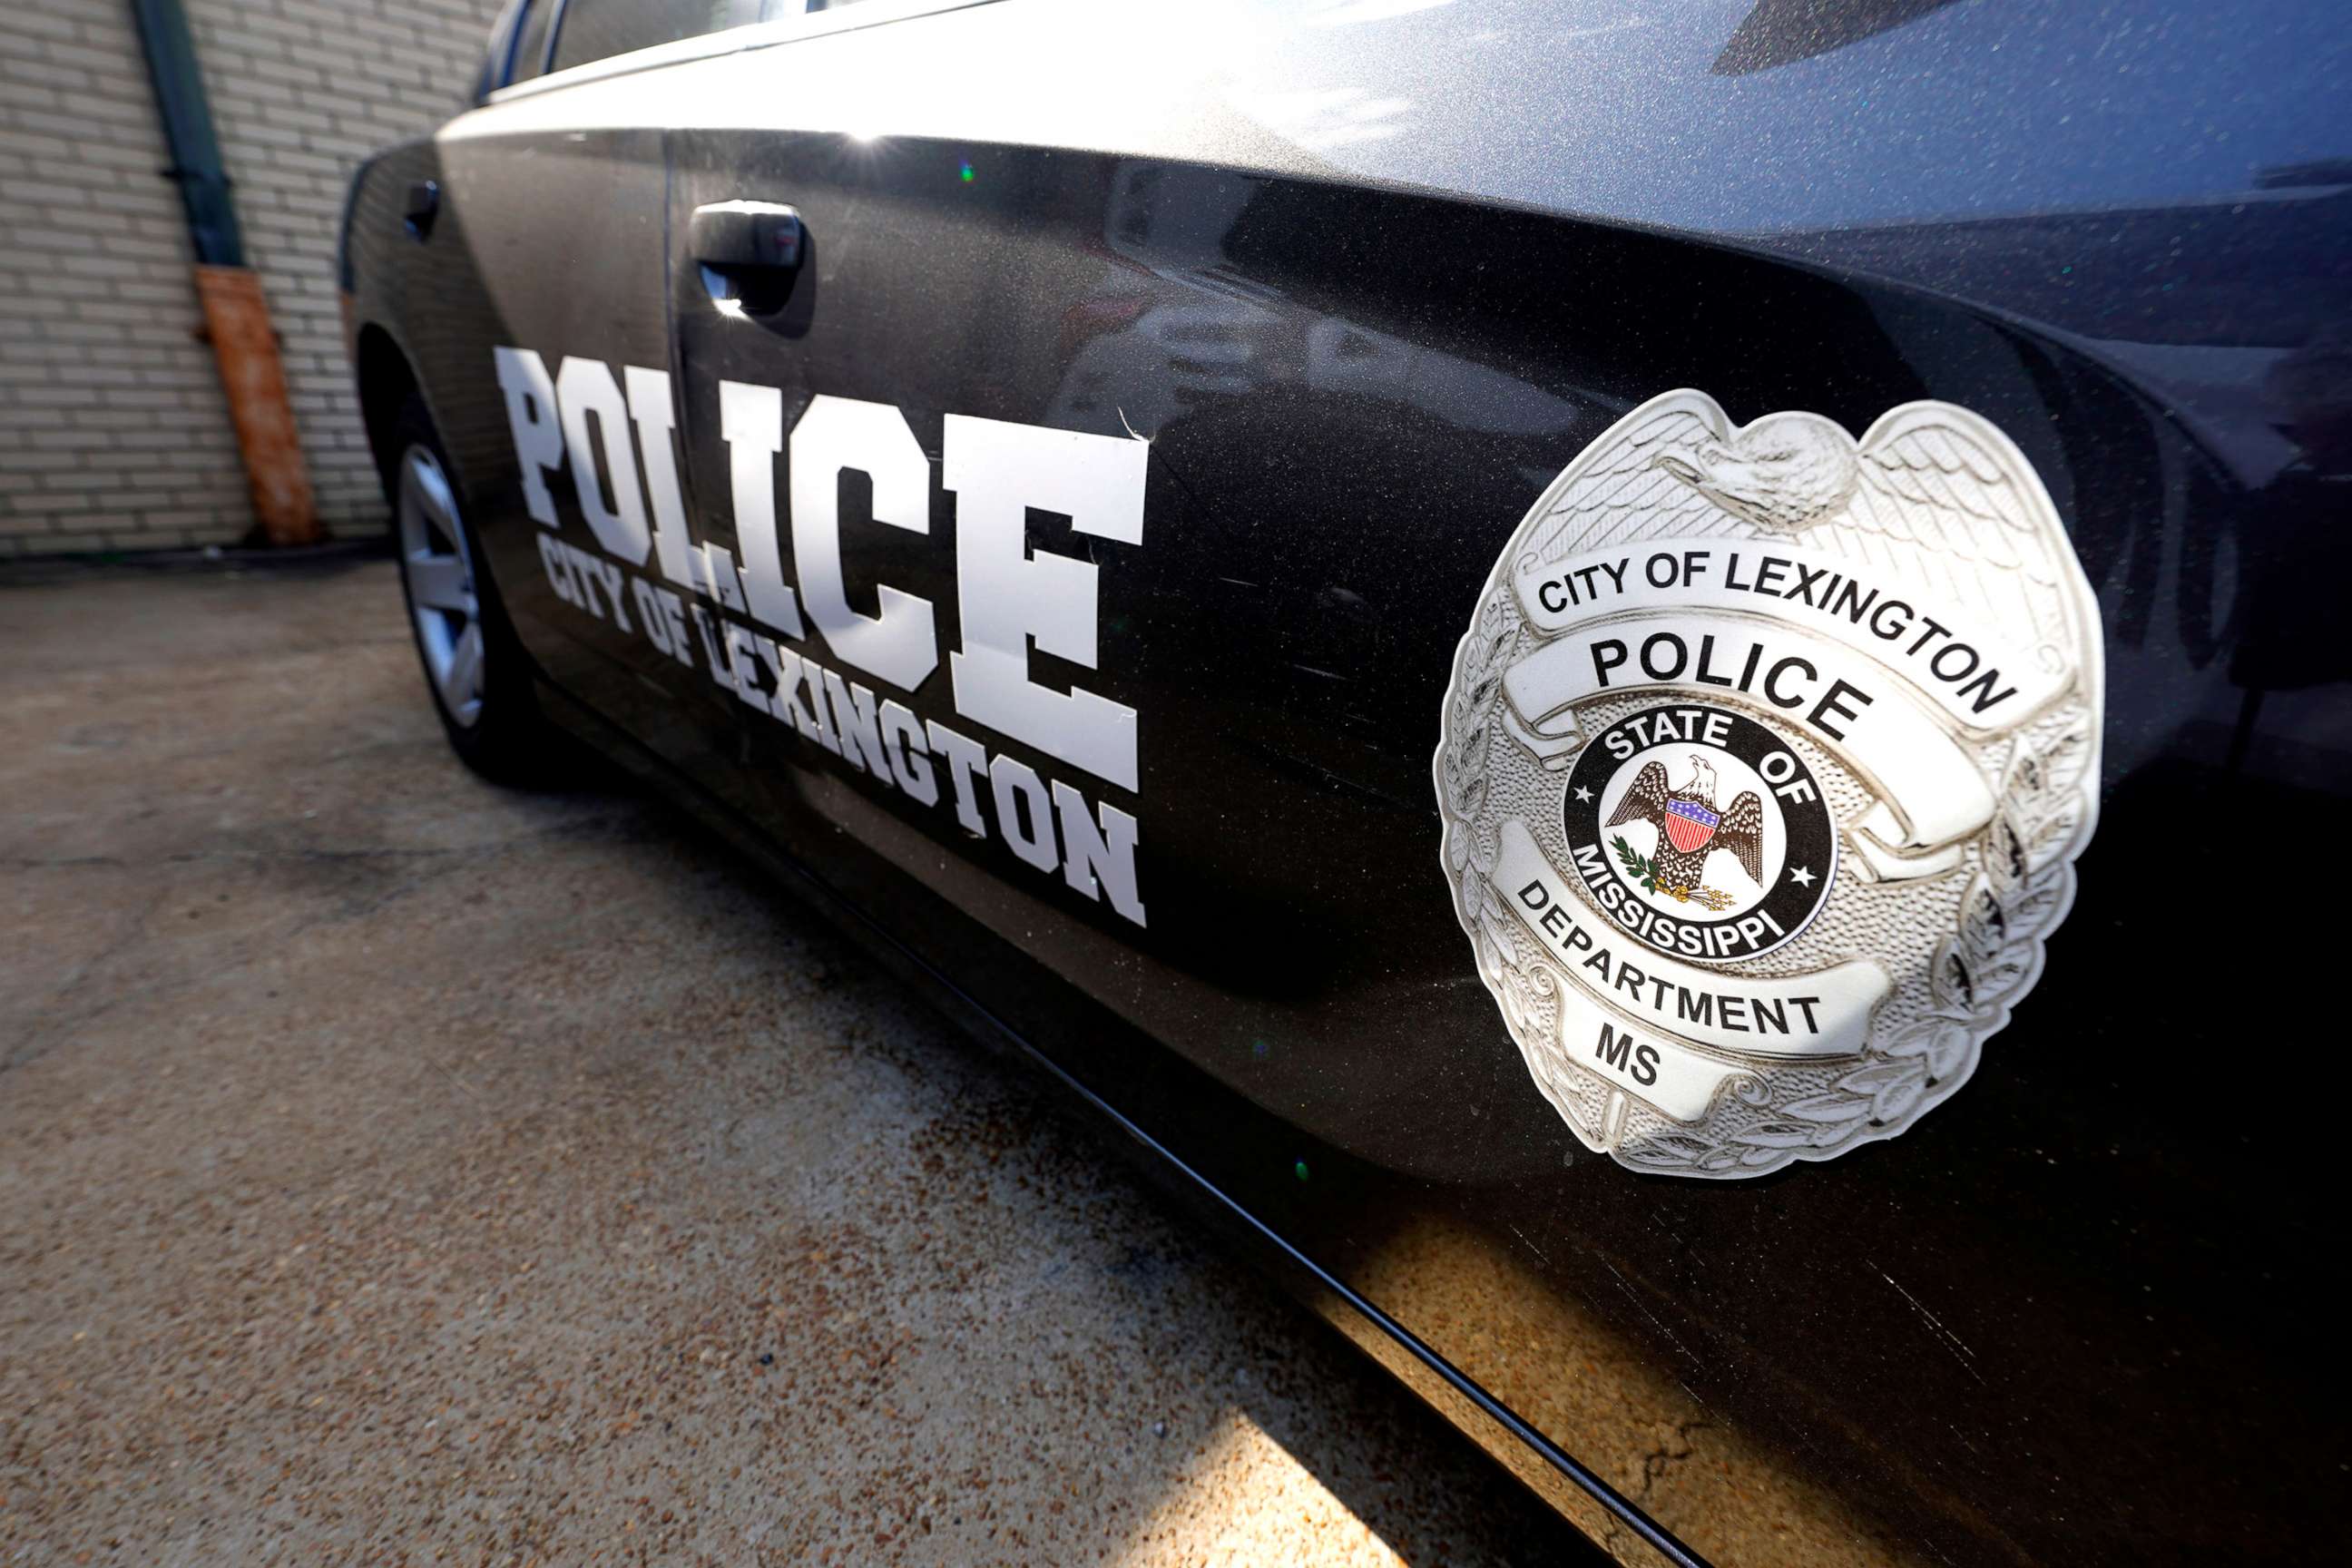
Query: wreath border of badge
pixel 1934 500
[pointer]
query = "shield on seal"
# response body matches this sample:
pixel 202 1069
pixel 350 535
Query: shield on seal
pixel 1689 823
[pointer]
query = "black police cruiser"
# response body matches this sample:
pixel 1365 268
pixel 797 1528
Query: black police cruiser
pixel 1658 692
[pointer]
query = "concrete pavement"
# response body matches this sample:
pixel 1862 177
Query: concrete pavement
pixel 397 1169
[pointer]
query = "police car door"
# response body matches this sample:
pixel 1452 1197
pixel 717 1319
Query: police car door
pixel 558 192
pixel 924 581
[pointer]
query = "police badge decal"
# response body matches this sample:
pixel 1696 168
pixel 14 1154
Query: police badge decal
pixel 1764 767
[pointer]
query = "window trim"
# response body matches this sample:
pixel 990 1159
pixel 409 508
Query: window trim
pixel 554 31
pixel 506 40
pixel 710 45
pixel 499 49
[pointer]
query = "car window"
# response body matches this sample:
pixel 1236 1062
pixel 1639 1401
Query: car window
pixel 598 29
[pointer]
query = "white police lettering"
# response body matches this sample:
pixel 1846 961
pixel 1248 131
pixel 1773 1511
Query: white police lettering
pixel 752 422
pixel 900 644
pixel 1008 596
pixel 531 416
pixel 650 411
pixel 585 390
pixel 746 617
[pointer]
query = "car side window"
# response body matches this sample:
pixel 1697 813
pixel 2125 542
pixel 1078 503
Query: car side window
pixel 599 29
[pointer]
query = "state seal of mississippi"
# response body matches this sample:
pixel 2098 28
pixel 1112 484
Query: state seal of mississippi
pixel 1763 769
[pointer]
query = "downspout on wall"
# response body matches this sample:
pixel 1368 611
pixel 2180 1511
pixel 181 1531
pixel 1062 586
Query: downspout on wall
pixel 237 316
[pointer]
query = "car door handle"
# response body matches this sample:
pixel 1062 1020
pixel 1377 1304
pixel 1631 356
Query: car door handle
pixel 423 207
pixel 750 254
pixel 734 237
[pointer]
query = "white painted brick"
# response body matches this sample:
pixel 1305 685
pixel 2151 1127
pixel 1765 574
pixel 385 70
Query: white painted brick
pixel 114 430
pixel 28 23
pixel 27 144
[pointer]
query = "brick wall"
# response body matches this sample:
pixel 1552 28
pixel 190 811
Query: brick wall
pixel 113 432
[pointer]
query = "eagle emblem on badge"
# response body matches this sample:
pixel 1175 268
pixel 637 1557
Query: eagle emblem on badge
pixel 1764 765
pixel 1688 818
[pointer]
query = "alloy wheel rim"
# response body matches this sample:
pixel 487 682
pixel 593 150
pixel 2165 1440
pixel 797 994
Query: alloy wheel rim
pixel 439 570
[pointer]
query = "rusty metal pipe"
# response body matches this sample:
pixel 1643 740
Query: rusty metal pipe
pixel 236 315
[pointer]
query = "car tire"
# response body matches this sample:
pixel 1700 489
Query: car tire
pixel 475 671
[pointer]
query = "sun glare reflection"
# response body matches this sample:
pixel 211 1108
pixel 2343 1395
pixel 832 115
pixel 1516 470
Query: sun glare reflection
pixel 1238 1496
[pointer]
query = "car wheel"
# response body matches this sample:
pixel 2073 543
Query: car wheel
pixel 474 667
